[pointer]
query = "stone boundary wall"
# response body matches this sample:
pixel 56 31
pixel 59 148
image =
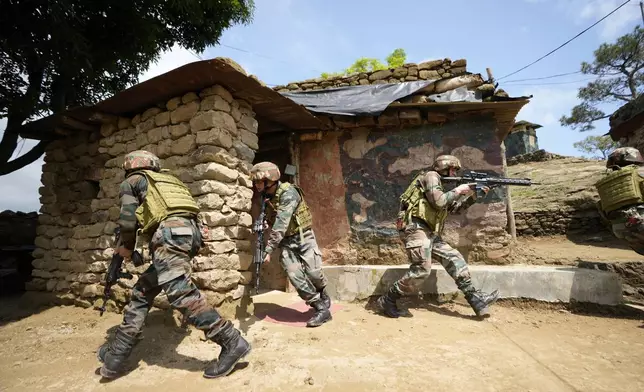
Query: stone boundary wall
pixel 435 69
pixel 207 138
pixel 544 223
pixel 537 156
pixel 447 74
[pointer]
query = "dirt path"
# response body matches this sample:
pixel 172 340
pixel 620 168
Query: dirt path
pixel 440 348
pixel 566 251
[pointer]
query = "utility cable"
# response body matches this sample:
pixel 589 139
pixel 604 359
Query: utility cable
pixel 567 42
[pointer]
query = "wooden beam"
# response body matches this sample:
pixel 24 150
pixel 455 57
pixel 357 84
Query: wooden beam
pixel 78 125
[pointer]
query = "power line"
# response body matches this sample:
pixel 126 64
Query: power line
pixel 567 42
pixel 543 77
pixel 264 56
pixel 540 84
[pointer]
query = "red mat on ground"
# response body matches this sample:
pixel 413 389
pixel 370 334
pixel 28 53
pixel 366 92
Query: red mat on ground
pixel 295 315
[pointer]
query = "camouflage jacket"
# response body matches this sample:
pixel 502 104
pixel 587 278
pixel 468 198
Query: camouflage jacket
pixel 288 204
pixel 436 195
pixel 132 193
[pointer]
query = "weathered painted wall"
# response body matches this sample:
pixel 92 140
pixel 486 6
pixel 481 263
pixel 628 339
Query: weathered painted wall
pixel 376 165
pixel 521 142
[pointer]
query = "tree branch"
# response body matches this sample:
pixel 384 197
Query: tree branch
pixel 25 159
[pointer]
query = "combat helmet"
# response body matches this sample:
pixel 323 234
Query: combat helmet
pixel 141 160
pixel 445 162
pixel 265 171
pixel 624 156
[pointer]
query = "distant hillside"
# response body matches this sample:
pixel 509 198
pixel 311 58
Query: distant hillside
pixel 566 184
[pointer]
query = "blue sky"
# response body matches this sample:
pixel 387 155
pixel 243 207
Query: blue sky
pixel 292 40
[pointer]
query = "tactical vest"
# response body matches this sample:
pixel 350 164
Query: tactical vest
pixel 620 188
pixel 166 196
pixel 302 218
pixel 413 203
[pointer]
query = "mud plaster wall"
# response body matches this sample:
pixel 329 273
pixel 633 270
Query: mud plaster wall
pixel 353 179
pixel 208 139
pixel 521 142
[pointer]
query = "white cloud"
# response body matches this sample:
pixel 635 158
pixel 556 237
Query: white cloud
pixel 169 60
pixel 545 108
pixel 20 188
pixel 612 27
pixel 547 104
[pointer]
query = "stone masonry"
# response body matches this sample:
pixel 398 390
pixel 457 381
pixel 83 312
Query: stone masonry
pixel 447 73
pixel 208 139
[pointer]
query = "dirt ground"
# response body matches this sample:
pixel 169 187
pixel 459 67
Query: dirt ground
pixel 561 250
pixel 441 348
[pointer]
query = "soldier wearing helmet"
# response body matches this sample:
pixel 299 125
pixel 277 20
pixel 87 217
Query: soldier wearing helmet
pixel 291 230
pixel 159 207
pixel 424 206
pixel 621 204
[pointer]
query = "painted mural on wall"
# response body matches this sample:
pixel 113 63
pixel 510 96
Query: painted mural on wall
pixel 378 165
pixel 521 142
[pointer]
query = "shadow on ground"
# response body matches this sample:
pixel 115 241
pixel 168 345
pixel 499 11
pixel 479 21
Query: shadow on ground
pixel 161 336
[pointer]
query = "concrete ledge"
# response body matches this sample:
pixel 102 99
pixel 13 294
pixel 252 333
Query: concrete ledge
pixel 543 283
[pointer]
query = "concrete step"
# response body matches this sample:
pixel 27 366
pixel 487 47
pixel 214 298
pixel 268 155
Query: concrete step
pixel 543 283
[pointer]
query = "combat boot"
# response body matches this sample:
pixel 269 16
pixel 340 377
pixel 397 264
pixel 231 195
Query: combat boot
pixel 114 354
pixel 321 316
pixel 103 349
pixel 324 296
pixel 233 348
pixel 387 303
pixel 480 301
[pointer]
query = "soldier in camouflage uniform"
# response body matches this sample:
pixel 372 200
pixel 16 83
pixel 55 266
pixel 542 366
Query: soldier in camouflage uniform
pixel 424 208
pixel 291 222
pixel 621 204
pixel 163 210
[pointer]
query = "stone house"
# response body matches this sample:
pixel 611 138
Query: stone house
pixel 202 120
pixel 522 139
pixel 355 148
pixel 627 124
pixel 353 173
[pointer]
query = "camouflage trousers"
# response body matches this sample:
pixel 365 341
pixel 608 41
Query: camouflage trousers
pixel 173 245
pixel 421 244
pixel 302 262
pixel 628 225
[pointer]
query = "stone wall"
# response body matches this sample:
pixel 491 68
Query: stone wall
pixel 17 235
pixel 430 70
pixel 536 156
pixel 448 75
pixel 207 138
pixel 353 177
pixel 544 223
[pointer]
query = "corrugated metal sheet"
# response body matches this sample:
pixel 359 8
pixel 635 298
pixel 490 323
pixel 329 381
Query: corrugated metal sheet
pixel 195 76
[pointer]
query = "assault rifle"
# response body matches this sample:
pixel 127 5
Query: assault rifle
pixel 258 227
pixel 481 180
pixel 114 272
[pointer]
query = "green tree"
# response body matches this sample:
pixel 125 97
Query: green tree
pixel 618 68
pixel 366 64
pixel 56 54
pixel 592 145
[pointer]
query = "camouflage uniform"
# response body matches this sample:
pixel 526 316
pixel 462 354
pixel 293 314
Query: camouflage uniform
pixel 422 240
pixel 291 230
pixel 622 213
pixel 173 243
